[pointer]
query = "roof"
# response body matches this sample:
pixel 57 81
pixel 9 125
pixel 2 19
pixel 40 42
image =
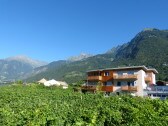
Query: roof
pixel 126 68
pixel 42 80
pixel 52 82
pixel 63 83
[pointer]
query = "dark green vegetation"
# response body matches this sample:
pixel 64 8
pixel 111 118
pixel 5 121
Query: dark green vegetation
pixel 37 105
pixel 149 48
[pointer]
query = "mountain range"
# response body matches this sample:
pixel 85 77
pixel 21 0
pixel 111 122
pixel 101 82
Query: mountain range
pixel 17 67
pixel 149 47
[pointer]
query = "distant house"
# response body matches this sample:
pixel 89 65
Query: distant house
pixel 132 80
pixel 161 83
pixel 42 81
pixel 56 83
pixel 63 84
pixel 52 83
pixel 158 92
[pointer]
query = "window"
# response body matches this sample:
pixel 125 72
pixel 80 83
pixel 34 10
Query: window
pixel 120 73
pixel 94 74
pixel 118 83
pixel 163 95
pixel 106 74
pixel 130 72
pixel 109 83
pixel 130 83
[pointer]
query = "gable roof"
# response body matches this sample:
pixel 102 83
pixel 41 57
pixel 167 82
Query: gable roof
pixel 42 80
pixel 127 68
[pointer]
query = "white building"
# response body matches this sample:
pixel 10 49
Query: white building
pixel 53 82
pixel 157 92
pixel 132 79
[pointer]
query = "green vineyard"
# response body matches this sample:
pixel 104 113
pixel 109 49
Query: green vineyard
pixel 35 105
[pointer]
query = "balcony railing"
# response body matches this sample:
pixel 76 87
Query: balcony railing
pixel 94 88
pixel 157 89
pixel 107 88
pixel 89 88
pixel 129 88
pixel 125 77
pixel 94 78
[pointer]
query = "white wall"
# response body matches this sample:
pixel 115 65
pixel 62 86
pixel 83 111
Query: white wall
pixel 141 83
pixel 153 78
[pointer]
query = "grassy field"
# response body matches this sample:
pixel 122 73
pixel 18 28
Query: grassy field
pixel 35 105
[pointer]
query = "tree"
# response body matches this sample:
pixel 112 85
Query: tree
pixel 99 86
pixel 20 82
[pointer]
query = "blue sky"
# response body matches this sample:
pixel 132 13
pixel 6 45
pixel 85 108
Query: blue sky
pixel 52 30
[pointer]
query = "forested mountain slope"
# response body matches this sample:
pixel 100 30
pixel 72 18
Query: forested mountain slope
pixel 149 48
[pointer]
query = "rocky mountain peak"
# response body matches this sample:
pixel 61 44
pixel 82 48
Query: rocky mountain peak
pixel 79 57
pixel 25 59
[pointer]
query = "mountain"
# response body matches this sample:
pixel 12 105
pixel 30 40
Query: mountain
pixel 149 48
pixel 16 67
pixel 72 71
pixel 145 43
pixel 24 59
pixel 80 57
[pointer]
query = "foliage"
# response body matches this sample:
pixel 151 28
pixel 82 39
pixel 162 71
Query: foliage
pixel 99 86
pixel 78 84
pixel 19 82
pixel 38 105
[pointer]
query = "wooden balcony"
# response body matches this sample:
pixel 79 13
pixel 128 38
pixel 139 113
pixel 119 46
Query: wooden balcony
pixel 129 88
pixel 125 77
pixel 107 88
pixel 94 78
pixel 94 88
pixel 148 79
